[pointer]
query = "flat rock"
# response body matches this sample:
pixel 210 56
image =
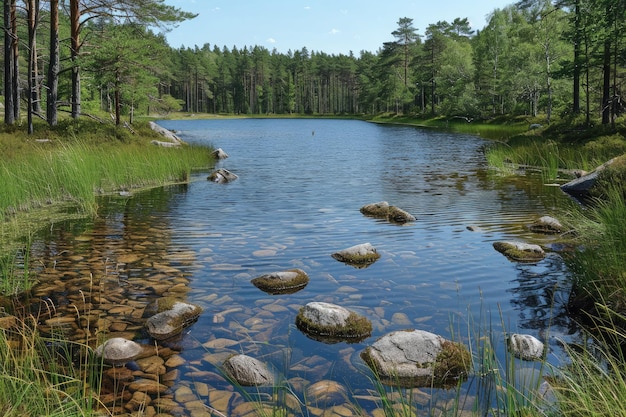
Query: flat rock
pixel 547 225
pixel 519 251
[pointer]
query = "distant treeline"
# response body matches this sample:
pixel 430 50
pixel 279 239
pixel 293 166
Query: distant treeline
pixel 554 58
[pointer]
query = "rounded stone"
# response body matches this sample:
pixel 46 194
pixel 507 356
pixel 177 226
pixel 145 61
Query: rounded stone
pixel 118 351
pixel 332 323
pixel 526 347
pixel 361 255
pixel 248 371
pixel 283 282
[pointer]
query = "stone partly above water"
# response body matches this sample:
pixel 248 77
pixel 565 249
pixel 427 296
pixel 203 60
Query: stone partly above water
pixel 248 371
pixel 219 154
pixel 282 282
pixel 383 210
pixel 222 176
pixel 171 321
pixel 118 351
pixel 547 225
pixel 359 256
pixel 526 347
pixel 331 323
pixel 415 358
pixel 519 251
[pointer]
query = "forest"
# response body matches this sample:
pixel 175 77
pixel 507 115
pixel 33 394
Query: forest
pixel 548 58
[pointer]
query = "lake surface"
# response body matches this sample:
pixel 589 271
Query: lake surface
pixel 301 184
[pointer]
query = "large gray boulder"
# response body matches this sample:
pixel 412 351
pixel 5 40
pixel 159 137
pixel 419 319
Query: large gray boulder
pixel 331 323
pixel 359 256
pixel 172 318
pixel 414 358
pixel 582 186
pixel 118 351
pixel 248 371
pixel 519 251
pixel 282 282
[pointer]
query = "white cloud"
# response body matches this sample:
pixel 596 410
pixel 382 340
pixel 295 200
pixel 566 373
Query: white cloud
pixel 271 40
pixel 334 31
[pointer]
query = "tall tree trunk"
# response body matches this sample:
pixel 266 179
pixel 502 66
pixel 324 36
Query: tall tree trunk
pixel 53 66
pixel 606 84
pixel 577 46
pixel 32 16
pixel 74 51
pixel 16 61
pixel 9 115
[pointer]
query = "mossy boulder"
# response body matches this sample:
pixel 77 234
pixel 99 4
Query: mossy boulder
pixel 383 210
pixel 378 210
pixel 416 358
pixel 282 282
pixel 331 323
pixel 359 256
pixel 547 225
pixel 170 322
pixel 519 251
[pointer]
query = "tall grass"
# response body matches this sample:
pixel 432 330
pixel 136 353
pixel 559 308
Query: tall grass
pixel 76 172
pixel 37 377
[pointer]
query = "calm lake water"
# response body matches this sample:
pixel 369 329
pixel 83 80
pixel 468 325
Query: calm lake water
pixel 301 184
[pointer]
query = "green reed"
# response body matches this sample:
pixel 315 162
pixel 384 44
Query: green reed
pixel 77 172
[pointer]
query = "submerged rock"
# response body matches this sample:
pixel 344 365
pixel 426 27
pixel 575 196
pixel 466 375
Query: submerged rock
pixel 248 371
pixel 222 176
pixel 526 347
pixel 118 351
pixel 283 282
pixel 414 358
pixel 547 225
pixel 518 251
pixel 331 323
pixel 171 321
pixel 361 255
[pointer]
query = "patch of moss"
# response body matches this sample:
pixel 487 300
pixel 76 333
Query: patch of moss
pixel 453 361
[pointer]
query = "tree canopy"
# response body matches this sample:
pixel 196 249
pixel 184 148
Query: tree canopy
pixel 533 57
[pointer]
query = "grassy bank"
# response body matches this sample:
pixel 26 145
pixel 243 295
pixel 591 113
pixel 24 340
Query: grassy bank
pixel 55 170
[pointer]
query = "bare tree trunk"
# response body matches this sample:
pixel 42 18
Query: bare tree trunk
pixel 16 62
pixel 74 51
pixel 9 115
pixel 53 66
pixel 33 17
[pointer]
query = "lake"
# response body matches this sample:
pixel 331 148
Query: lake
pixel 301 184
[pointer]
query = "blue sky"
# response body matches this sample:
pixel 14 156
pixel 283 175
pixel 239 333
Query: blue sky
pixel 331 26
